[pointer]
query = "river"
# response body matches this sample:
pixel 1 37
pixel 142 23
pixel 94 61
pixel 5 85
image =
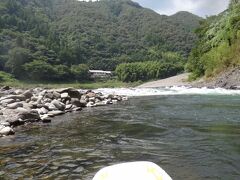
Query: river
pixel 193 136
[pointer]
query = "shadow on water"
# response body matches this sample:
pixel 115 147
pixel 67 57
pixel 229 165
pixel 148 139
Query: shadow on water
pixel 191 137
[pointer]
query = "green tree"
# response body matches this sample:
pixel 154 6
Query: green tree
pixel 80 72
pixel 40 70
pixel 17 58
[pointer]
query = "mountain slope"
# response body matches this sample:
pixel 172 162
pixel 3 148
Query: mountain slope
pixel 121 28
pixel 58 34
pixel 218 48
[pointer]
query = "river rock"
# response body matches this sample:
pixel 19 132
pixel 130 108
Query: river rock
pixel 59 105
pixel 5 131
pixel 49 95
pixel 47 100
pixel 15 122
pixel 45 118
pixel 5 124
pixel 22 110
pixel 92 99
pixel 55 113
pixel 91 104
pixel 18 91
pixel 68 106
pixel 34 98
pixel 51 107
pixel 7 101
pixel 64 96
pixel 91 94
pixel 42 106
pixel 56 95
pixel 78 102
pixel 73 93
pixel 77 109
pixel 28 94
pixel 6 88
pixel 42 111
pixel 29 116
pixel 106 101
pixel 40 98
pixel 14 105
pixel 15 97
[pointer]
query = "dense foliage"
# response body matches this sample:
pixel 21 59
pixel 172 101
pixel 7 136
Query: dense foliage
pixel 52 39
pixel 171 65
pixel 218 47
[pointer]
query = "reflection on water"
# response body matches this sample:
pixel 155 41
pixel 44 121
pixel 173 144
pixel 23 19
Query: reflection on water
pixel 192 137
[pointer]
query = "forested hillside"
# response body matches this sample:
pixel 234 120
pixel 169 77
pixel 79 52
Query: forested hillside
pixel 218 47
pixel 60 39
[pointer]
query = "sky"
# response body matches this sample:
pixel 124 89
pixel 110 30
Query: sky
pixel 199 7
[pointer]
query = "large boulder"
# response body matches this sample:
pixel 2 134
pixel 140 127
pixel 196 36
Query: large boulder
pixel 15 122
pixel 78 103
pixel 28 94
pixel 29 116
pixel 59 105
pixel 51 107
pixel 73 93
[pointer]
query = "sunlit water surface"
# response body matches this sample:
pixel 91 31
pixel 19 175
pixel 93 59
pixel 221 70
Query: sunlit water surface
pixel 192 137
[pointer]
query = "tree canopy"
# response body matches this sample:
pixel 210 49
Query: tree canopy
pixel 218 47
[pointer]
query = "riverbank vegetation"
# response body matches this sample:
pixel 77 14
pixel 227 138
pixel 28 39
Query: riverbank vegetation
pixel 59 41
pixel 218 47
pixel 166 65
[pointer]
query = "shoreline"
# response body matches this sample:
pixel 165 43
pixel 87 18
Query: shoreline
pixel 179 80
pixel 19 107
pixel 229 79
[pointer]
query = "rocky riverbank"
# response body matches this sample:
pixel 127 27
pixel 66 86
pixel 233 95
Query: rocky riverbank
pixel 19 107
pixel 229 79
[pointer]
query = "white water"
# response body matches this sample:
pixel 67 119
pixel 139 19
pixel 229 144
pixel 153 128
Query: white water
pixel 131 92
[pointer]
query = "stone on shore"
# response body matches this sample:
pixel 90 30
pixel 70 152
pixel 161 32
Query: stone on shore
pixel 5 131
pixel 28 94
pixel 18 107
pixel 29 116
pixel 15 105
pixel 64 96
pixel 78 103
pixel 55 113
pixel 15 97
pixel 59 105
pixel 7 101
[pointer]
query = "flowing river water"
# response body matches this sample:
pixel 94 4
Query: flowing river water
pixel 193 136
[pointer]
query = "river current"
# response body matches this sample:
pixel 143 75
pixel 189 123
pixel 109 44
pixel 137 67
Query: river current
pixel 192 134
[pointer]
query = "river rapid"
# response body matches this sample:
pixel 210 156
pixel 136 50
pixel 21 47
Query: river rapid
pixel 191 133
